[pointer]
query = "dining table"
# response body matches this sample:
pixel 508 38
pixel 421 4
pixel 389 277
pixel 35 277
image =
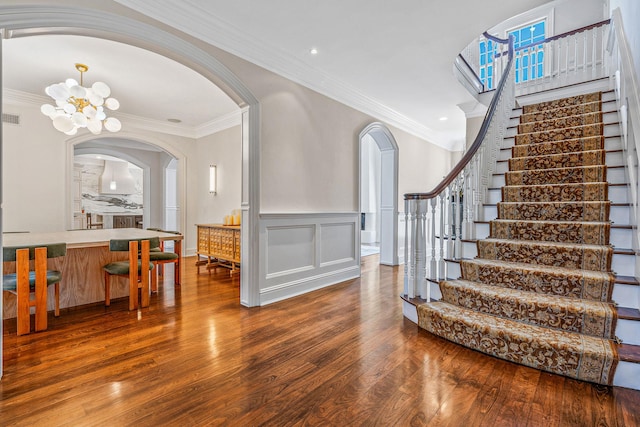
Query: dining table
pixel 87 252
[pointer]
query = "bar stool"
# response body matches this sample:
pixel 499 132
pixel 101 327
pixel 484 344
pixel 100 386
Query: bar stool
pixel 25 282
pixel 137 269
pixel 94 224
pixel 159 257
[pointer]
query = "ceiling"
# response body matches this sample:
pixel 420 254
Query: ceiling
pixel 388 59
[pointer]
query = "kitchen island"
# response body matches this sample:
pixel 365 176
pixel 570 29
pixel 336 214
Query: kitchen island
pixel 82 275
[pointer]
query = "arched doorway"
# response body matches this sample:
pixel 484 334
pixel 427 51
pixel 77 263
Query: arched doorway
pixel 388 198
pixel 24 20
pixel 152 160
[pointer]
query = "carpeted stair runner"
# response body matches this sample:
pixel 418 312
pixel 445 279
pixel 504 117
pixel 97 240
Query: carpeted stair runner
pixel 539 291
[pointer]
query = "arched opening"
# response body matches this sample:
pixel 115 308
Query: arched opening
pixel 29 19
pixel 386 195
pixel 148 198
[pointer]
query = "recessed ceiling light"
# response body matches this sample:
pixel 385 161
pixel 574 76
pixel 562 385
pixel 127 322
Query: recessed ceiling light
pixel 313 51
pixel 442 119
pixel 174 120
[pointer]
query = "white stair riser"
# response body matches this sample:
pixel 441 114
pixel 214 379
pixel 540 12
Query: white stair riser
pixel 616 176
pixel 489 213
pixel 613 143
pixel 508 142
pixel 434 288
pixel 498 180
pixel 482 230
pixel 453 269
pixel 502 167
pixel 626 295
pixel 614 158
pixel 618 194
pixel 469 250
pixel 628 331
pixel 619 215
pixel 623 265
pixel 627 374
pixel 621 238
pixel 494 196
pixel 504 154
pixel 611 130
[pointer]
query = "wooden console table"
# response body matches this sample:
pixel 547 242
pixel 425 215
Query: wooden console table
pixel 220 244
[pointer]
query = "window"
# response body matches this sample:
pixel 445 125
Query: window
pixel 529 61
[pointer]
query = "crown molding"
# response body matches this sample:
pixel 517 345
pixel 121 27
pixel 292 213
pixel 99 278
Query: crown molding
pixel 188 17
pixel 219 124
pixel 25 99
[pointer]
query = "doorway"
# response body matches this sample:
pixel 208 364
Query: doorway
pixel 378 193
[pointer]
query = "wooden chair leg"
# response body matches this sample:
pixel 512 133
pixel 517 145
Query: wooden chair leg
pixel 41 289
pixel 145 273
pixel 154 278
pixel 177 248
pixel 107 290
pixel 133 275
pixel 23 315
pixel 57 296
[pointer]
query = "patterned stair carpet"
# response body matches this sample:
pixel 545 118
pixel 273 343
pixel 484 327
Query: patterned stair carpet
pixel 539 291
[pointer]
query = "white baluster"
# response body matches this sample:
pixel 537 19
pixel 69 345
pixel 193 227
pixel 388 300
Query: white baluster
pixel 433 265
pixel 442 237
pixel 421 252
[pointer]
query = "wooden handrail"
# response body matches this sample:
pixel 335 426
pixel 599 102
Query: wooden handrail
pixel 476 143
pixel 475 75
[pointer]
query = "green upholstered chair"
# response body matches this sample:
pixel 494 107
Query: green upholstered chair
pixel 159 257
pixel 25 282
pixel 137 268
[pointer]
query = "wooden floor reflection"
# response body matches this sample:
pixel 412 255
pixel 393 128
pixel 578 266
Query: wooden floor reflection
pixel 338 356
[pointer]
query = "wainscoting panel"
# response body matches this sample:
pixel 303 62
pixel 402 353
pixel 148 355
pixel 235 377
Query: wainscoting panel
pixel 337 243
pixel 304 252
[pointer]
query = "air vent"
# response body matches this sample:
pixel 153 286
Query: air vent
pixel 13 119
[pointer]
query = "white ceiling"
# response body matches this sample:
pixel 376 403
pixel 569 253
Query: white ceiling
pixel 390 59
pixel 146 84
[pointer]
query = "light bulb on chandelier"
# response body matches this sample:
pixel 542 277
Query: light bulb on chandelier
pixel 79 107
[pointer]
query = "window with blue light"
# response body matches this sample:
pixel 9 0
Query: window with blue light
pixel 529 60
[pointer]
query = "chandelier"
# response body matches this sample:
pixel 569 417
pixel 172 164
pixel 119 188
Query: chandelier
pixel 79 107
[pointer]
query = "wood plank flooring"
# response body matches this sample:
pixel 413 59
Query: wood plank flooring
pixel 340 356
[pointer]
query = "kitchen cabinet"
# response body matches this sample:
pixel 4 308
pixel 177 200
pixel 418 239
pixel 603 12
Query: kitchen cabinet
pixel 127 221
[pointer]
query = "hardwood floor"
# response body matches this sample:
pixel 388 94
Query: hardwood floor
pixel 338 356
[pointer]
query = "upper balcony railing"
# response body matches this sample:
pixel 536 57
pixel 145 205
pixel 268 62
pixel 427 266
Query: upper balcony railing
pixel 569 58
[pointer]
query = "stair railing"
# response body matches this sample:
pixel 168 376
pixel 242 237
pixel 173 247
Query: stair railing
pixel 627 87
pixel 436 222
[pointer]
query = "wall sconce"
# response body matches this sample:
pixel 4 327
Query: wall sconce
pixel 213 179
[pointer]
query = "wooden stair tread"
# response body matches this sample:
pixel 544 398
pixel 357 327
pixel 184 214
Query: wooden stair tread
pixel 628 313
pixel 627 280
pixel 629 353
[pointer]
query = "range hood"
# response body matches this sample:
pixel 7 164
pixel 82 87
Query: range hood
pixel 116 178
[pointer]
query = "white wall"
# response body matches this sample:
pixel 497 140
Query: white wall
pixel 223 149
pixel 562 16
pixel 630 11
pixel 33 173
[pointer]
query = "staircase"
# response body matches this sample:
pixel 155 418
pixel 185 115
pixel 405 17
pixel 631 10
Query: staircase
pixel 540 291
